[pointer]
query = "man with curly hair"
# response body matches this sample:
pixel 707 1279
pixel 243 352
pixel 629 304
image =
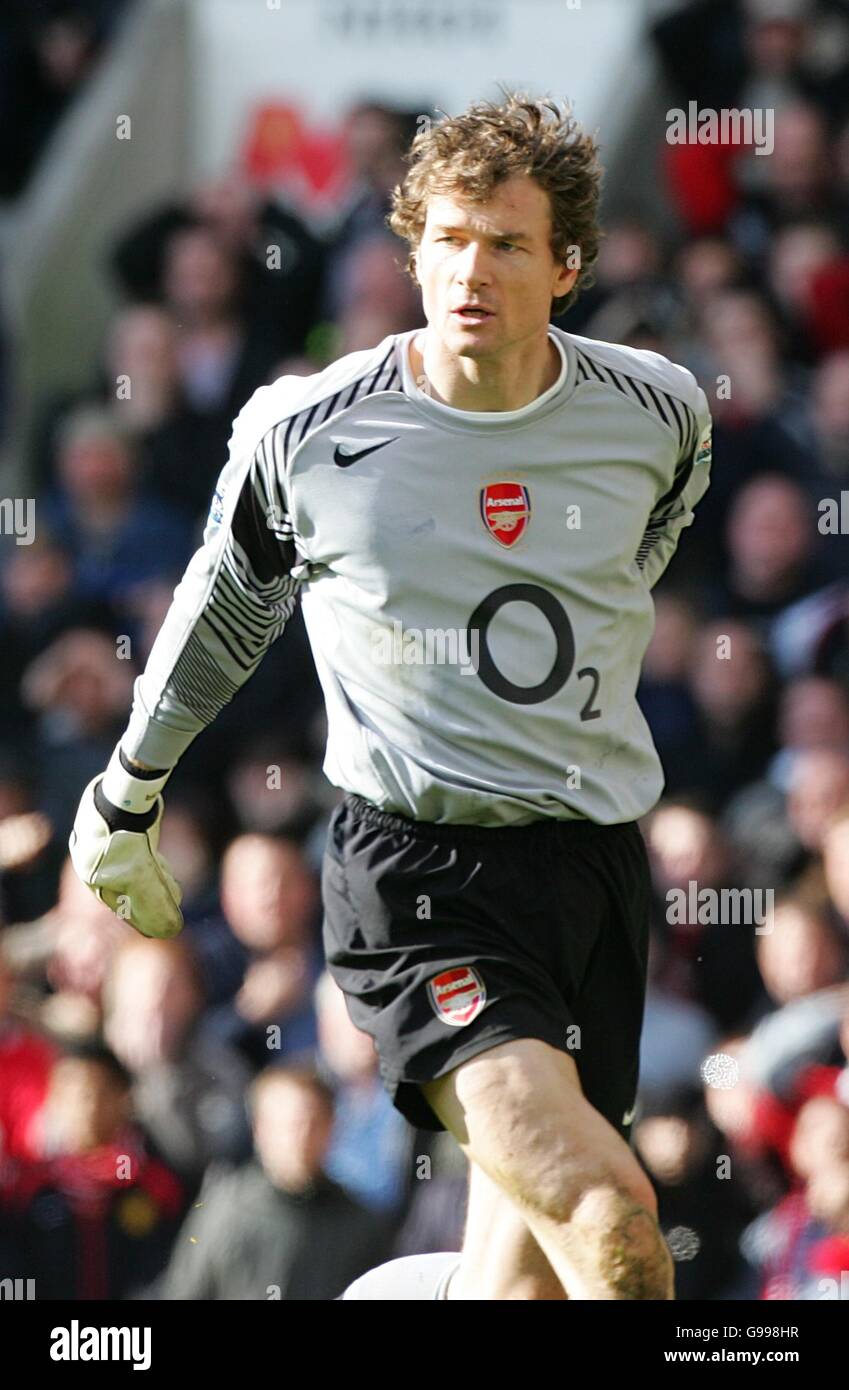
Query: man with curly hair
pixel 473 516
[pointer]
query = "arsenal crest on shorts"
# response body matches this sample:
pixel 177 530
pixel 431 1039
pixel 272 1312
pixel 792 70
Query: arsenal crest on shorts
pixel 457 995
pixel 506 510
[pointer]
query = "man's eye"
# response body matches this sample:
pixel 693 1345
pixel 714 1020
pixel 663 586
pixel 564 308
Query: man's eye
pixel 447 238
pixel 511 245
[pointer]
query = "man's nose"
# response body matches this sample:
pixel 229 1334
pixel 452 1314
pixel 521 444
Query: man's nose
pixel 474 266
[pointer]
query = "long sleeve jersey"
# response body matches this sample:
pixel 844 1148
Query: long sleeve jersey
pixel 476 586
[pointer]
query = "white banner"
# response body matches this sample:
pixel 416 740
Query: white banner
pixel 270 72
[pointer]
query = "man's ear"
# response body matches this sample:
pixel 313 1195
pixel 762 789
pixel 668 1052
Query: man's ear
pixel 565 280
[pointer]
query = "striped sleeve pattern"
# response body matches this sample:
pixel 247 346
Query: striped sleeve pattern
pixel 237 594
pixel 671 506
pixel 240 588
pixel 383 377
pixel 689 428
pixel 253 595
pixel 675 509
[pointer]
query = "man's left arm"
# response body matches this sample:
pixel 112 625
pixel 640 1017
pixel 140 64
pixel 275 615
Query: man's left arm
pixel 675 509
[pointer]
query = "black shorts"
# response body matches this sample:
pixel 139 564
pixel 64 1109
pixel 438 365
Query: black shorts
pixel 448 940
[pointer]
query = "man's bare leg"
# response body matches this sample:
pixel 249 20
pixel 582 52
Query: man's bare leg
pixel 501 1258
pixel 518 1112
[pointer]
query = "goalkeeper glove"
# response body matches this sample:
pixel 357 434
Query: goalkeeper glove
pixel 114 847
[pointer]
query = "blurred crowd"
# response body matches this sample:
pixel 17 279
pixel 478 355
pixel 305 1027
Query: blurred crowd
pixel 199 1118
pixel 48 51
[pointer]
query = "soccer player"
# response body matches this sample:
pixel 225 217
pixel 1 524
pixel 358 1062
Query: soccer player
pixel 473 517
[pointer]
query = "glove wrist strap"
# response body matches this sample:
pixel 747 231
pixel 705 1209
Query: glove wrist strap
pixel 130 788
pixel 122 820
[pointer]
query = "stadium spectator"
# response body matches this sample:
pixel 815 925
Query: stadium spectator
pixel 834 844
pixel 37 605
pixel 83 937
pixel 664 694
pixel 375 136
pixel 270 899
pixel 221 356
pixel 30 853
pixel 74 689
pixel 104 522
pixel 176 446
pixel 280 260
pixel 827 1195
pixel 677 1032
pixel 813 717
pixel 192 837
pixel 277 1227
pixel 801 953
pixel 274 789
pixel 798 182
pixel 729 680
pixel 707 959
pixel 369 1148
pixel 26 1061
pixel 819 785
pixel 813 713
pixel 48 54
pixel 680 1148
pixel 773 559
pixel 787 1242
pixel 188 1087
pixel 830 415
pixel 376 298
pixel 95 1217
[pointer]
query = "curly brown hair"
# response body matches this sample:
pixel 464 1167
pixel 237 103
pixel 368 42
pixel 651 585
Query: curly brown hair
pixel 472 153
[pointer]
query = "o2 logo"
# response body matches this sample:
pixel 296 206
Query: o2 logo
pixel 552 609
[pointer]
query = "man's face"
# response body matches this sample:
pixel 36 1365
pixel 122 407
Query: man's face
pixel 292 1131
pixel 87 1106
pixel 496 255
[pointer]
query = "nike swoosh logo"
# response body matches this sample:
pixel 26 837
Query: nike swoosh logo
pixel 628 1116
pixel 344 460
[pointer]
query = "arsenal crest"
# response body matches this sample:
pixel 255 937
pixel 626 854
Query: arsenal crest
pixel 457 995
pixel 506 510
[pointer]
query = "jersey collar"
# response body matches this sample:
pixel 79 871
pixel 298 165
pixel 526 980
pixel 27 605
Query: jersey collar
pixel 449 415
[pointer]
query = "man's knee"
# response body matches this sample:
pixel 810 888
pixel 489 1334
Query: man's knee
pixel 619 1233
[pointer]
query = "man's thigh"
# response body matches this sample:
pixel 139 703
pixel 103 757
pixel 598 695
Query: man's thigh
pixel 519 1113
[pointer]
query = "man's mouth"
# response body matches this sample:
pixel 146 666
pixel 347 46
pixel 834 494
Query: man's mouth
pixel 472 313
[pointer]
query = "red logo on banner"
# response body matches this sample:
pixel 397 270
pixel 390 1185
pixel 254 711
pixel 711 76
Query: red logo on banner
pixel 506 510
pixel 284 149
pixel 457 995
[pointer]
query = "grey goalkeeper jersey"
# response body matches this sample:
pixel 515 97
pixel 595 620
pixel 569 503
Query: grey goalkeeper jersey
pixel 476 586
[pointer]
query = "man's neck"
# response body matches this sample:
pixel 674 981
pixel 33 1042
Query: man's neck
pixel 484 384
